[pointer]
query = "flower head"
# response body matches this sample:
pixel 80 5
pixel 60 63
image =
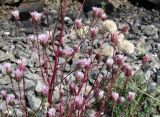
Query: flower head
pixel 52 112
pixel 107 50
pixel 97 11
pixel 109 62
pixel 117 38
pixel 15 13
pixel 128 70
pixel 19 74
pixel 21 64
pixel 131 96
pixel 10 99
pixel 79 24
pixel 79 75
pixel 115 96
pixel 44 39
pixel 94 32
pixel 45 90
pixel 8 68
pixel 36 17
pixel 127 46
pixel 110 26
pixel 4 93
pixel 67 51
pixel 79 100
pixel 146 59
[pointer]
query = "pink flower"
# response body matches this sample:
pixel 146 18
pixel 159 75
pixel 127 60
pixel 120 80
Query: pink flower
pixel 19 74
pixel 67 51
pixel 10 99
pixel 79 100
pixel 79 24
pixel 115 96
pixel 146 59
pixel 125 29
pixel 100 94
pixel 120 60
pixel 85 62
pixel 97 11
pixel 8 68
pixel 94 32
pixel 52 112
pixel 128 70
pixel 21 64
pixel 79 75
pixel 109 62
pixel 131 96
pixel 116 39
pixel 104 16
pixel 44 39
pixel 4 93
pixel 121 99
pixel 36 17
pixel 45 90
pixel 16 14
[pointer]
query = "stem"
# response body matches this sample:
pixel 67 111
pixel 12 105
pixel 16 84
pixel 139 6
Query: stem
pixel 57 56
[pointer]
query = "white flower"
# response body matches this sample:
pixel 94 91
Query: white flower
pixel 107 50
pixel 110 25
pixel 127 46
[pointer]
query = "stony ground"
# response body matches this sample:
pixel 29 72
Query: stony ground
pixel 144 32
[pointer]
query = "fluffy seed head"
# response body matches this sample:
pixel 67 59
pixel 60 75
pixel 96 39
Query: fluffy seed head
pixel 110 26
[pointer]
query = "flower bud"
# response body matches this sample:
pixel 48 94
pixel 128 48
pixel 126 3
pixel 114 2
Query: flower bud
pixel 44 38
pixel 131 96
pixel 52 112
pixel 15 14
pixel 146 59
pixel 4 94
pixel 18 75
pixel 8 68
pixel 21 64
pixel 125 29
pixel 115 96
pixel 79 76
pixel 79 100
pixel 115 39
pixel 36 17
pixel 67 51
pixel 10 99
pixel 97 12
pixel 121 99
pixel 94 32
pixel 120 60
pixel 104 16
pixel 45 90
pixel 109 63
pixel 79 24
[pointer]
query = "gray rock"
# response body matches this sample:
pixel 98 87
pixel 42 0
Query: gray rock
pixel 152 87
pixel 33 101
pixel 150 30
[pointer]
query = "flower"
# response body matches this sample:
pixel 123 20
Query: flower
pixel 79 24
pixel 81 33
pixel 67 51
pixel 8 68
pixel 115 96
pixel 45 90
pixel 79 100
pixel 79 75
pixel 127 46
pixel 94 32
pixel 110 25
pixel 97 11
pixel 4 93
pixel 121 99
pixel 36 17
pixel 146 59
pixel 85 62
pixel 19 74
pixel 21 64
pixel 44 38
pixel 10 99
pixel 128 70
pixel 117 38
pixel 52 112
pixel 109 62
pixel 100 94
pixel 131 96
pixel 107 50
pixel 120 60
pixel 104 16
pixel 15 13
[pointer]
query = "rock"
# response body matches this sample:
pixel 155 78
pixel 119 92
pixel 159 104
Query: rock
pixel 152 86
pixel 149 30
pixel 39 86
pixel 33 101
